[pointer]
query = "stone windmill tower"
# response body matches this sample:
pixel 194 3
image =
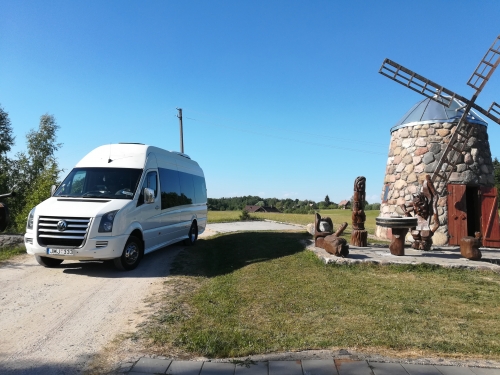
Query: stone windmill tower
pixel 445 137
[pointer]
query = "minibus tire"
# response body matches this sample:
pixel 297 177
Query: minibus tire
pixel 192 235
pixel 134 249
pixel 48 262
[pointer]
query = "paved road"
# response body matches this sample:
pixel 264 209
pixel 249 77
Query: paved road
pixel 148 366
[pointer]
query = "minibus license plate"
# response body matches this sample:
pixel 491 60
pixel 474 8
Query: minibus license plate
pixel 55 251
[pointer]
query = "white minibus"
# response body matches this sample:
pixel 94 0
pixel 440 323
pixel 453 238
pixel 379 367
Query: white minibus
pixel 119 202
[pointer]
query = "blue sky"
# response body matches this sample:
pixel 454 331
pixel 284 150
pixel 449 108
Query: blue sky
pixel 280 98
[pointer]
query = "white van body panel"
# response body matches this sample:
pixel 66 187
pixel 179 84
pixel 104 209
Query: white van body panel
pixel 156 227
pixel 121 156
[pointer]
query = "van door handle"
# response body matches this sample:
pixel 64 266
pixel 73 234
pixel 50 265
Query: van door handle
pixel 157 207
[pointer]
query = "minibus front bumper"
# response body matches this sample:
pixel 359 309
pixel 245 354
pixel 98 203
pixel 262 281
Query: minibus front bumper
pixel 97 248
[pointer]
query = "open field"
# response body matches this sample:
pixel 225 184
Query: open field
pixel 338 217
pixel 260 292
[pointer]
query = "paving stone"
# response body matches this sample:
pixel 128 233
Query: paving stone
pixel 285 368
pixel 184 368
pixel 217 368
pixel 350 367
pixel 151 365
pixel 387 368
pixel 421 370
pixel 319 367
pixel 485 371
pixel 454 370
pixel 258 368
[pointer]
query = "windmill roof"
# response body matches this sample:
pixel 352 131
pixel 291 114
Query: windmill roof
pixel 429 111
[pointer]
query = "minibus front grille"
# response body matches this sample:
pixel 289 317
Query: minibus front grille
pixel 62 231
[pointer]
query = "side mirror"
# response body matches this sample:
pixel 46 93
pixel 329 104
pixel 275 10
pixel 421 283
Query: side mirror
pixel 149 196
pixel 53 190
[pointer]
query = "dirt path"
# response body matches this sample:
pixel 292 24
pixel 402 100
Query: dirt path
pixel 52 321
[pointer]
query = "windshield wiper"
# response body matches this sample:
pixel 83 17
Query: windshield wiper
pixel 91 195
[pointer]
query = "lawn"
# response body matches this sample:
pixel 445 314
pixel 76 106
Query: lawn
pixel 337 216
pixel 259 292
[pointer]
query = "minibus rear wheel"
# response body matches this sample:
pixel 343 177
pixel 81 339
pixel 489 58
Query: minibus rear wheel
pixel 131 256
pixel 192 235
pixel 48 262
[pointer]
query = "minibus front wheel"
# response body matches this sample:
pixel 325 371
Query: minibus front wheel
pixel 131 256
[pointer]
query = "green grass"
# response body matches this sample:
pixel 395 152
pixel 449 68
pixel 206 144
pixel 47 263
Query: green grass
pixel 223 216
pixel 8 253
pixel 337 216
pixel 260 292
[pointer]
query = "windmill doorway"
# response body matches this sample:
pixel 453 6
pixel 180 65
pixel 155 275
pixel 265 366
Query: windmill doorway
pixel 463 212
pixel 473 209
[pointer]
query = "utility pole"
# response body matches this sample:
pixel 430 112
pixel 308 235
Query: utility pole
pixel 180 127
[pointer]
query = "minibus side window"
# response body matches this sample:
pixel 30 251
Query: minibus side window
pixel 149 182
pixel 200 191
pixel 187 188
pixel 170 188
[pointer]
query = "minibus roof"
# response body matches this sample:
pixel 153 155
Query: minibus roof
pixel 130 155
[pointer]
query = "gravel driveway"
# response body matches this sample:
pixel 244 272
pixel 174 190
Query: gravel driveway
pixel 249 226
pixel 52 320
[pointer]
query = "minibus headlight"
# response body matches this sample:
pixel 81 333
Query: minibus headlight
pixel 106 224
pixel 31 216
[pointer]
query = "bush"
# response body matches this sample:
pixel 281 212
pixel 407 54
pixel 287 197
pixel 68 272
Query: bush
pixel 245 215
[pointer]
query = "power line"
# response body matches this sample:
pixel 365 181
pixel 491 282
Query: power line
pixel 291 131
pixel 337 147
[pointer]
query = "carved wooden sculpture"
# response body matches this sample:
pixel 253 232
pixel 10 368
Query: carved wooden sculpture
pixel 424 205
pixel 469 247
pixel 359 235
pixel 331 242
pixel 322 227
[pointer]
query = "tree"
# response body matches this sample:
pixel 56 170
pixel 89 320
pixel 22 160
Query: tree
pixel 42 145
pixel 6 143
pixel 32 173
pixel 6 137
pixel 327 200
pixel 36 194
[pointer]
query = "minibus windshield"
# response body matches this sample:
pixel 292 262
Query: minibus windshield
pixel 114 183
